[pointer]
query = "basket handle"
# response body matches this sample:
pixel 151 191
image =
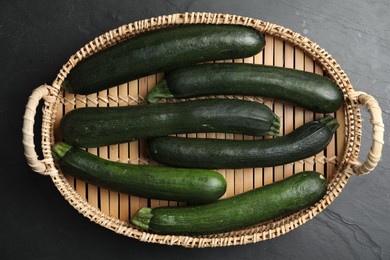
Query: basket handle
pixel 378 129
pixel 28 129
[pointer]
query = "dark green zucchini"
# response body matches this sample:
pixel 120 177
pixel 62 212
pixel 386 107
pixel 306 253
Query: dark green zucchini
pixel 162 50
pixel 307 90
pixel 189 185
pixel 250 208
pixel 99 126
pixel 303 142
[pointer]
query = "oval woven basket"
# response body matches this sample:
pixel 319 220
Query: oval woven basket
pixel 284 48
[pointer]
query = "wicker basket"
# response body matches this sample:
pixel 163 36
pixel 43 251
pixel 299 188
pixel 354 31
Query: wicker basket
pixel 285 48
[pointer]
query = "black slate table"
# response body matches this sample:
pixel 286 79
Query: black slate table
pixel 37 38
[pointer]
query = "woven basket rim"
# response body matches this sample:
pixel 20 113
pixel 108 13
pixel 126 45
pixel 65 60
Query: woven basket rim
pixel 258 233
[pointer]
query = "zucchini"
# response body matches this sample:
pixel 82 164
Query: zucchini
pixel 99 126
pixel 162 50
pixel 189 185
pixel 307 90
pixel 303 142
pixel 272 201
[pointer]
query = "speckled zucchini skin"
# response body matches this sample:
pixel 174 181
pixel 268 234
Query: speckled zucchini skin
pixel 303 142
pixel 253 207
pixel 162 50
pixel 189 185
pixel 99 126
pixel 307 90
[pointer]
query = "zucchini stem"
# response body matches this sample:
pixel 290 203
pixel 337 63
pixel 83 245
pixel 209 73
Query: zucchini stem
pixel 60 149
pixel 275 128
pixel 142 218
pixel 161 90
pixel 273 132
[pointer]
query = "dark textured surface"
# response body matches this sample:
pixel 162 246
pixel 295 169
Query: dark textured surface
pixel 37 38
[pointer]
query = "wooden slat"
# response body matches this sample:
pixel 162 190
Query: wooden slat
pixel 258 171
pixel 248 172
pixel 223 172
pixel 93 191
pixel 298 111
pixel 309 115
pixel 319 166
pixel 114 156
pixel 288 120
pixel 80 186
pixel 278 106
pixel 123 93
pixel 67 108
pixel 56 126
pixel 238 180
pixel 268 172
pixel 133 146
pixel 340 136
pixel 142 153
pixel 330 152
pixel 229 172
pixel 103 153
pixel 238 173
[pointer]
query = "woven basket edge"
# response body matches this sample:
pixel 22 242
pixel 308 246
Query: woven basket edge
pixel 352 113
